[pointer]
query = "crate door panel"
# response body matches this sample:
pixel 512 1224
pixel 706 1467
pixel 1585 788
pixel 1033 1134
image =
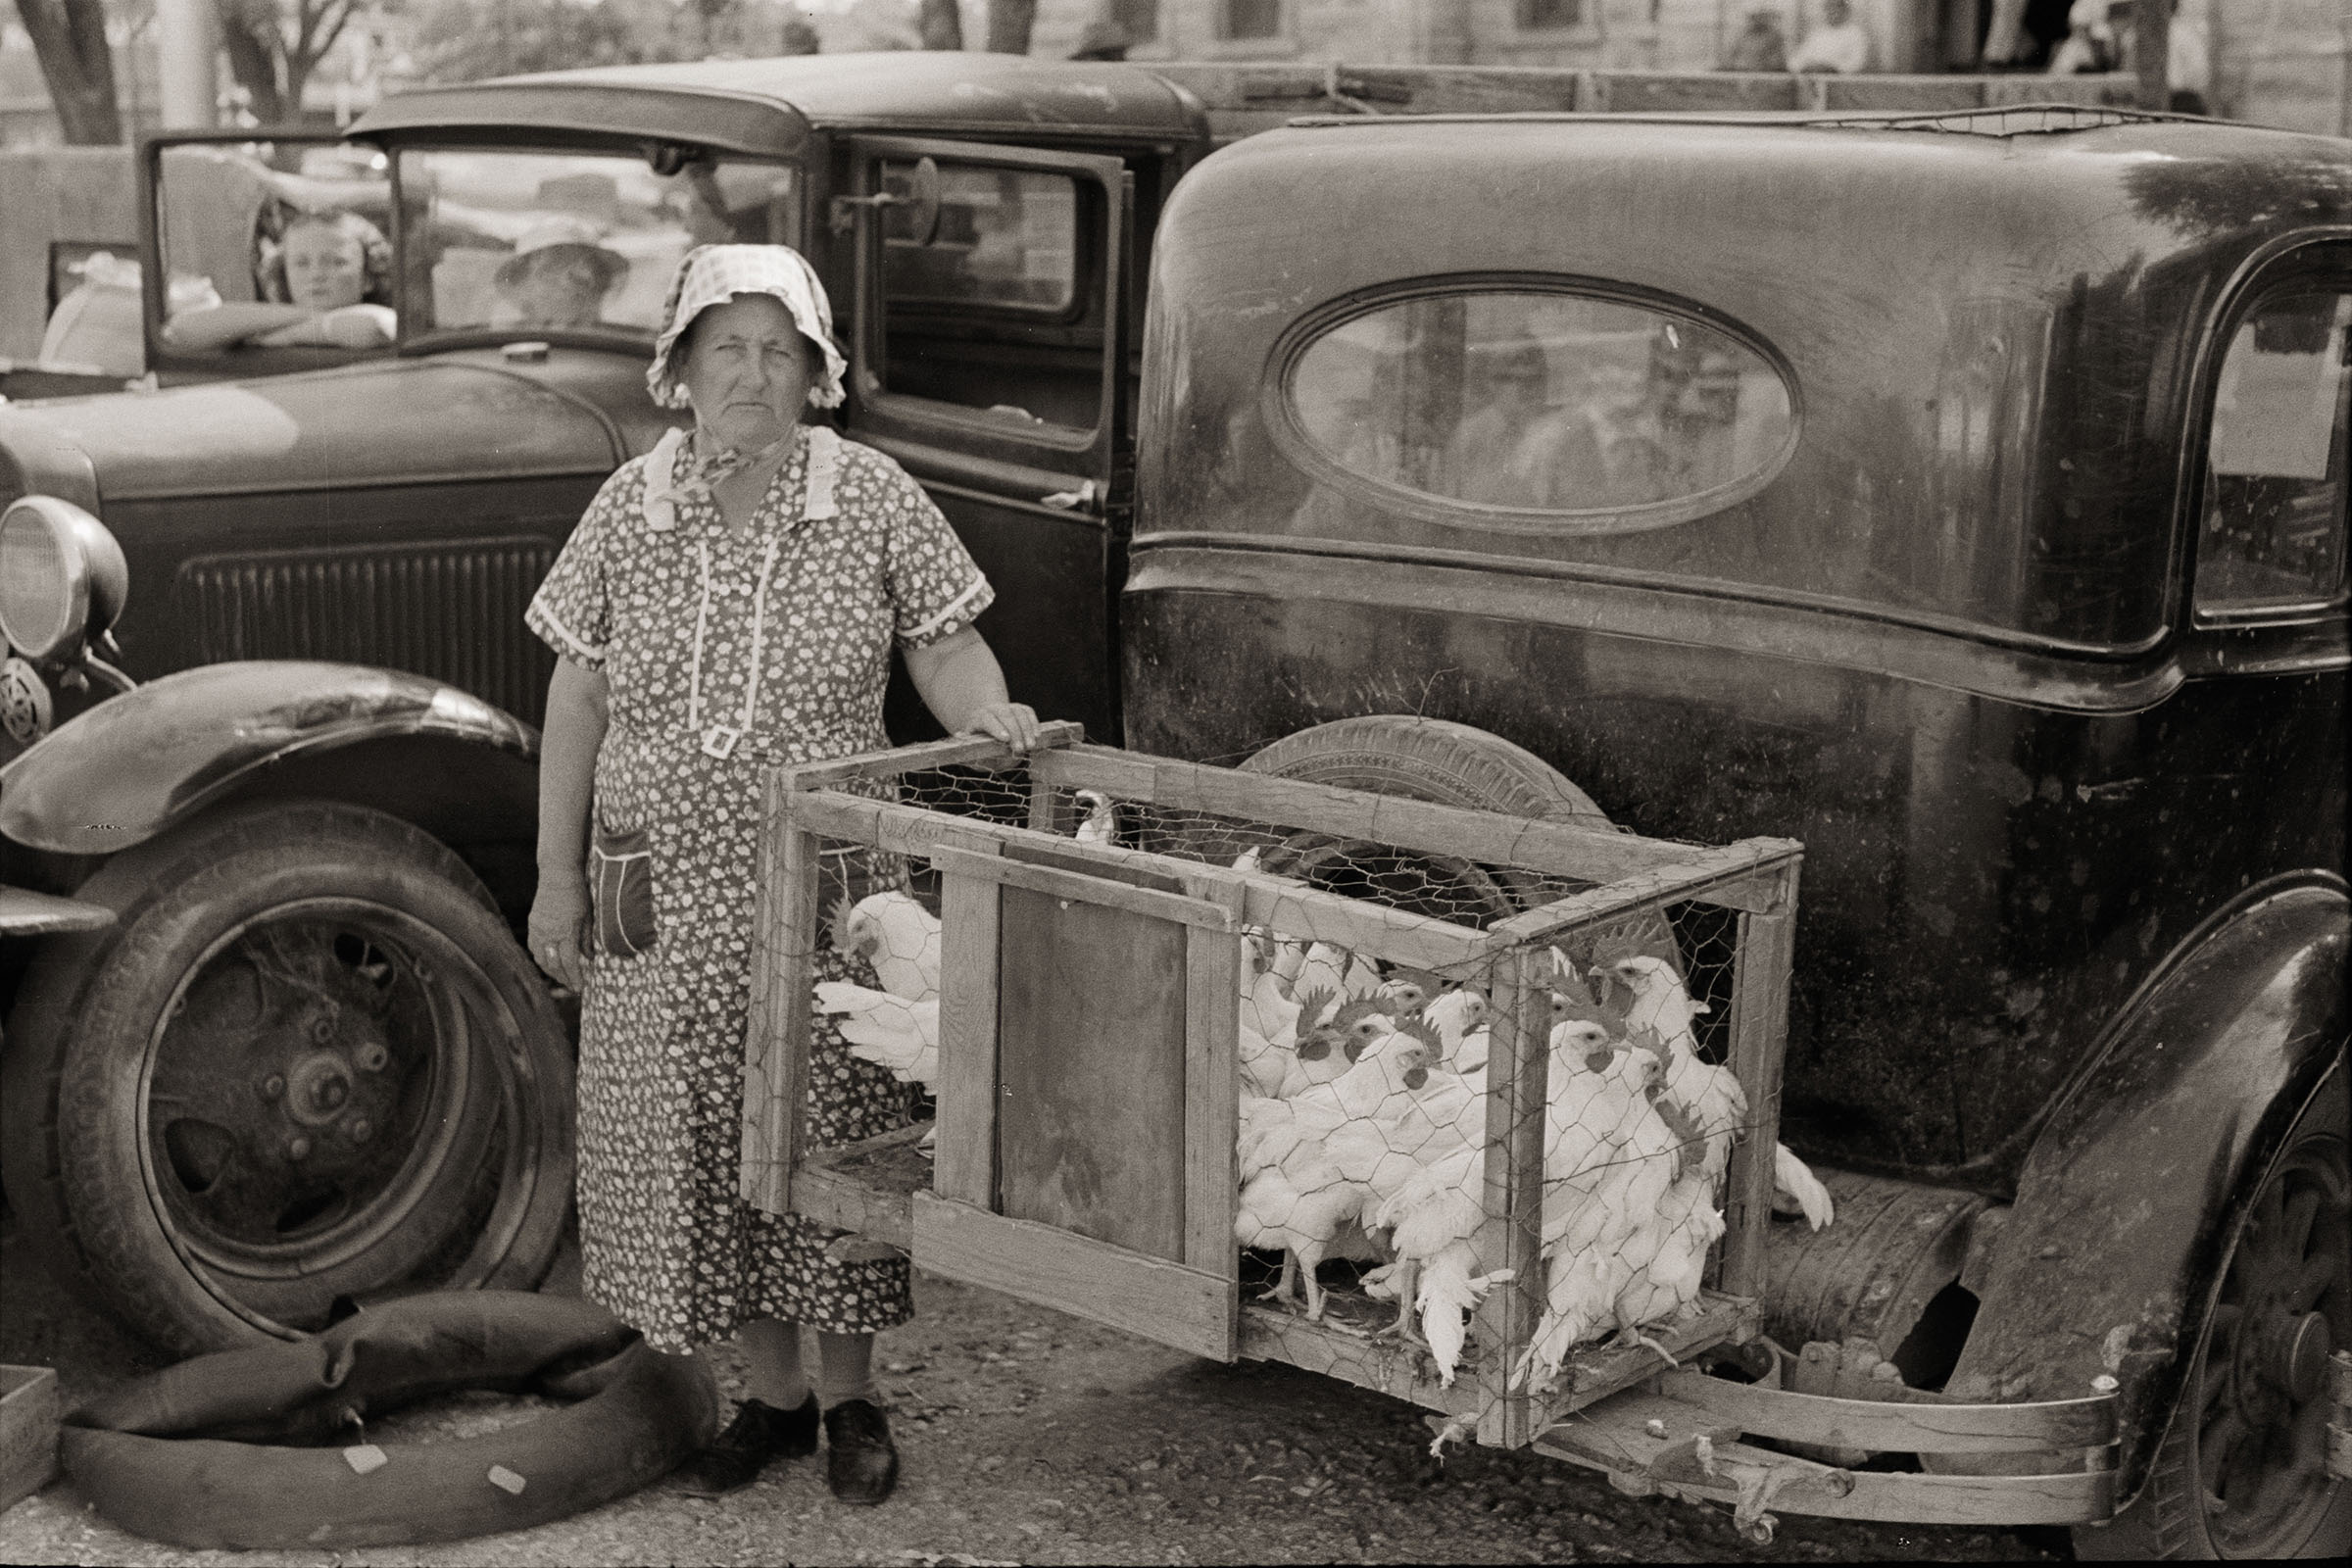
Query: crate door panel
pixel 1080 1091
pixel 1090 1138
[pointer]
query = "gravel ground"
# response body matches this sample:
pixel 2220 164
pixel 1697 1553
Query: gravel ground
pixel 1031 1438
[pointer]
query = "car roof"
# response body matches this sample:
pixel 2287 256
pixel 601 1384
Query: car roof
pixel 770 106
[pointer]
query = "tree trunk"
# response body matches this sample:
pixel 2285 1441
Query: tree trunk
pixel 2151 45
pixel 69 38
pixel 1008 24
pixel 253 61
pixel 942 23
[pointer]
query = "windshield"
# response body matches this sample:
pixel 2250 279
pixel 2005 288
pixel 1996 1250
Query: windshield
pixel 543 241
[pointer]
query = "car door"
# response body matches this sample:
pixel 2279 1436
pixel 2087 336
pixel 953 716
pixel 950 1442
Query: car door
pixel 987 339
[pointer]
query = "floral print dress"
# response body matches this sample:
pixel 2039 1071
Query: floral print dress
pixel 844 555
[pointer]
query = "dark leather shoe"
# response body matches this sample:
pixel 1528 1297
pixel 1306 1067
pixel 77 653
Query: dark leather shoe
pixel 862 1466
pixel 758 1434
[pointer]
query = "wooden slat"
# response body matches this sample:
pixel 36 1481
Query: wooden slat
pixel 1617 1435
pixel 1212 967
pixel 964 1163
pixel 1368 928
pixel 958 751
pixel 1739 876
pixel 775 1044
pixel 1149 1297
pixel 1518 1060
pixel 839 1200
pixel 1372 929
pixel 1563 849
pixel 1896 1427
pixel 1060 884
pixel 1759 1030
pixel 1596 1372
pixel 1335 1349
pixel 1121 775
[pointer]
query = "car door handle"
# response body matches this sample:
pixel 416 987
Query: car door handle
pixel 1070 500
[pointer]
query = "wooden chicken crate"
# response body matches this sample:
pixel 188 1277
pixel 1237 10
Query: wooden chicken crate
pixel 1087 1082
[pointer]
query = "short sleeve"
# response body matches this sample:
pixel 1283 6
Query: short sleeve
pixel 572 610
pixel 936 588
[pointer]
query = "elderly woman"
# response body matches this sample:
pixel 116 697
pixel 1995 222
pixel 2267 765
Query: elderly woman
pixel 729 601
pixel 330 273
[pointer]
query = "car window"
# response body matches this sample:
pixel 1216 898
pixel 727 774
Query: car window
pixel 2272 528
pixel 1007 239
pixel 994 308
pixel 1598 412
pixel 571 241
pixel 257 238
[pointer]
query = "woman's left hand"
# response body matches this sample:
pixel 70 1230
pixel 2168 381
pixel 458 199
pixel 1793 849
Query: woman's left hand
pixel 1013 723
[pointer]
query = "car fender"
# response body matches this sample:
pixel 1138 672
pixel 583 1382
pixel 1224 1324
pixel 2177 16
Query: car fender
pixel 2126 1204
pixel 134 765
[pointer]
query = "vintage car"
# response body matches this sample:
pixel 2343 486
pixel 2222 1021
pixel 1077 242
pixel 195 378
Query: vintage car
pixel 1962 495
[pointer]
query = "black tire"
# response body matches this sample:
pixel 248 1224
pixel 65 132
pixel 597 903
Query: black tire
pixel 1451 765
pixel 309 1061
pixel 2240 1471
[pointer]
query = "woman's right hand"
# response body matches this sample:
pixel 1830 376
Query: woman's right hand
pixel 558 931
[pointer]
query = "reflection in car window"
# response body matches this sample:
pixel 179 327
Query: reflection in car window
pixel 276 244
pixel 2274 513
pixel 1005 237
pixel 555 241
pixel 1540 401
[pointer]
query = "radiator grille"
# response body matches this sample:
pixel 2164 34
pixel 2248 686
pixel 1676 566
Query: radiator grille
pixel 452 610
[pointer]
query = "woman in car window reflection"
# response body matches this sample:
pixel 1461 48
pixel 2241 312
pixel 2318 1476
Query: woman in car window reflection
pixel 328 278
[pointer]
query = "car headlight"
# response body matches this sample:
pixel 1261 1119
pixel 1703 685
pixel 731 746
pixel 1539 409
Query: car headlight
pixel 62 577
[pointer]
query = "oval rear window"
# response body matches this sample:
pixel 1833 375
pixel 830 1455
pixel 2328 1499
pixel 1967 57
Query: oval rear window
pixel 1538 411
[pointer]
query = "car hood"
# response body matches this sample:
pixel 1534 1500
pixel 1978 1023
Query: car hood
pixel 391 421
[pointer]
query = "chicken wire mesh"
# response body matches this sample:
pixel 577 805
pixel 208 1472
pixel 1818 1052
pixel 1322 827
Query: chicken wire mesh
pixel 1381 1102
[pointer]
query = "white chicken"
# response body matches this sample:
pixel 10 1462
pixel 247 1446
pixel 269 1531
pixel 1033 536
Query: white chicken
pixel 895 934
pixel 1607 1164
pixel 1294 1195
pixel 1101 826
pixel 886 1030
pixel 1795 1187
pixel 1454 1014
pixel 1432 1221
pixel 1336 970
pixel 1710 1097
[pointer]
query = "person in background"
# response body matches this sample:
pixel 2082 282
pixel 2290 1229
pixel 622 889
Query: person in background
pixel 731 600
pixel 560 275
pixel 330 278
pixel 1761 45
pixel 1838 43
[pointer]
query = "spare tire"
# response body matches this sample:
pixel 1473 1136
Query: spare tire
pixel 181 1456
pixel 1450 765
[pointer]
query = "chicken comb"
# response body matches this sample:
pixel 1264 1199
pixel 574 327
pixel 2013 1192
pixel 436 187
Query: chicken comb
pixel 1569 986
pixel 1353 1013
pixel 843 909
pixel 1311 1002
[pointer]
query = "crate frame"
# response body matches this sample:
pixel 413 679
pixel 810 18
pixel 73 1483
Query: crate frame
pixel 948 1227
pixel 1620 1411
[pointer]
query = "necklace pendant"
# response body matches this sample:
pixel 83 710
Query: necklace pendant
pixel 719 741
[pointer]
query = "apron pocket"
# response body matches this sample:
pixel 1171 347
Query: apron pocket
pixel 621 885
